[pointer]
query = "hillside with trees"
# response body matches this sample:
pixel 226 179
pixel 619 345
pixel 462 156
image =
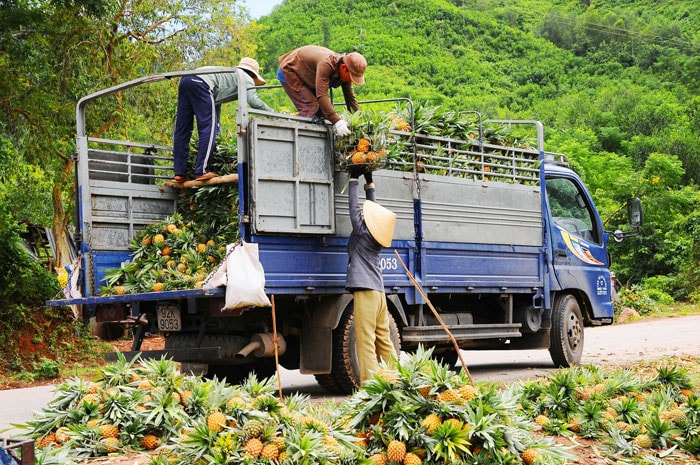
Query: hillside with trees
pixel 616 84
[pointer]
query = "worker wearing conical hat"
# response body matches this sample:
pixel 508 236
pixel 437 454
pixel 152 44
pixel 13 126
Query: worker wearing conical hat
pixel 372 229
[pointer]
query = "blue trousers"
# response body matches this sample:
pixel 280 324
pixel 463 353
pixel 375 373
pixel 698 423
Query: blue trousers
pixel 194 100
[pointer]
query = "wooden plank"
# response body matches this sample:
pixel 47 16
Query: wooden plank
pixel 226 179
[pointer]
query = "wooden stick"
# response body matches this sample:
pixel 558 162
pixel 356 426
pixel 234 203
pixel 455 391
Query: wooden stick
pixel 275 340
pixel 442 323
pixel 225 179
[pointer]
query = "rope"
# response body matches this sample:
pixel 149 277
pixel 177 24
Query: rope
pixel 275 340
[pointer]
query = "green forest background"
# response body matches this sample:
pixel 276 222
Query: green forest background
pixel 615 83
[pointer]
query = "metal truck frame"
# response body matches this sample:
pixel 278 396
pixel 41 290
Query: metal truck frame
pixel 508 247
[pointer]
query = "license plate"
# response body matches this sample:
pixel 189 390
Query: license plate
pixel 169 318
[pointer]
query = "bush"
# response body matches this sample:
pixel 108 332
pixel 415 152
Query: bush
pixel 635 298
pixel 47 369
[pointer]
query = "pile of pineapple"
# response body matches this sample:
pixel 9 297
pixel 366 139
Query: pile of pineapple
pixel 369 143
pixel 180 251
pixel 166 256
pixel 464 147
pixel 413 412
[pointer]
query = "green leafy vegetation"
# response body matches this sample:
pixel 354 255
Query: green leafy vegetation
pixel 413 412
pixel 614 82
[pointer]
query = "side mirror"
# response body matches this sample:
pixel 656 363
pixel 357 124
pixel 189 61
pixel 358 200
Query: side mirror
pixel 636 218
pixel 634 212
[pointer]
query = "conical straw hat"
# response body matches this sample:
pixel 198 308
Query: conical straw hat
pixel 380 221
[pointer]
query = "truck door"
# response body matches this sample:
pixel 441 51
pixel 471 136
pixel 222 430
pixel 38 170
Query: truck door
pixel 579 254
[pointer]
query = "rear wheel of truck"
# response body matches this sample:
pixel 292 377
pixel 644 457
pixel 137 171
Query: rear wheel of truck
pixel 566 338
pixel 345 374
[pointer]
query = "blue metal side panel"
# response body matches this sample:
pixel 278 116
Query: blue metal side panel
pixel 483 267
pixel 105 260
pixel 317 265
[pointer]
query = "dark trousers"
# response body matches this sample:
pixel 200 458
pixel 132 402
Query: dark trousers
pixel 304 100
pixel 194 100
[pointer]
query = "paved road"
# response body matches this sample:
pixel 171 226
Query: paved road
pixel 617 345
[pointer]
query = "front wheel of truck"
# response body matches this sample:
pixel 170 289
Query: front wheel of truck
pixel 345 373
pixel 566 338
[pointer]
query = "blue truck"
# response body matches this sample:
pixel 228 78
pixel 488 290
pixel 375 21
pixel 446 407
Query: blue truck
pixel 506 245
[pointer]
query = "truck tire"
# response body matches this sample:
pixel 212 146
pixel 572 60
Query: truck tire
pixel 566 338
pixel 447 357
pixel 345 372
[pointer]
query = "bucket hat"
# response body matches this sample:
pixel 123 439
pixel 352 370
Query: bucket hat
pixel 380 221
pixel 356 65
pixel 252 66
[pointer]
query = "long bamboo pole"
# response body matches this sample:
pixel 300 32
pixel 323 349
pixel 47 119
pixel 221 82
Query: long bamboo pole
pixel 437 315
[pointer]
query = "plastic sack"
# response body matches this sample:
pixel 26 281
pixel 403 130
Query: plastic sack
pixel 245 285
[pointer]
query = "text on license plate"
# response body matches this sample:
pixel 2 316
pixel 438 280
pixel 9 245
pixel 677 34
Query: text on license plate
pixel 169 318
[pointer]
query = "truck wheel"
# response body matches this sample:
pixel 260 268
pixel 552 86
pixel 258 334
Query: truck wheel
pixel 566 339
pixel 448 357
pixel 237 374
pixel 345 369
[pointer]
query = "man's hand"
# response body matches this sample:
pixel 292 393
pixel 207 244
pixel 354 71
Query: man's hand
pixel 356 171
pixel 342 129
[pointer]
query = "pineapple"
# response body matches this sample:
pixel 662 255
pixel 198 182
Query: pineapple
pixel 575 425
pixel 448 395
pixel 455 422
pixel 677 415
pixel 379 459
pixel 90 399
pixel 643 441
pixel 363 145
pixel 529 455
pixel 216 421
pixel 424 391
pixel 468 392
pixel 610 414
pixel 541 420
pixel 185 397
pixel 253 447
pixel 109 431
pixel 62 434
pixel 235 402
pixel 46 440
pixel 622 426
pixel 145 385
pixel 396 451
pixel 149 441
pixel 411 459
pixel 358 158
pixel 110 445
pixel 431 422
pixel 270 451
pixel 253 428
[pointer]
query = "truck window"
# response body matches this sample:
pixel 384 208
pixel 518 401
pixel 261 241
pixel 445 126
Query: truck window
pixel 570 210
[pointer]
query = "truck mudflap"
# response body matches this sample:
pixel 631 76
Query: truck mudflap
pixel 202 354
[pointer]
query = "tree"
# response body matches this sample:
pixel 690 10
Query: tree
pixel 73 53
